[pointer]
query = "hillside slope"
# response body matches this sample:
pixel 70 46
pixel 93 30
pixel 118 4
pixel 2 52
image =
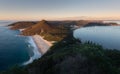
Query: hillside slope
pixel 38 28
pixel 47 30
pixel 21 25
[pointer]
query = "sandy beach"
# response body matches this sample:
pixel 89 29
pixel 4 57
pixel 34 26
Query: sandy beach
pixel 43 45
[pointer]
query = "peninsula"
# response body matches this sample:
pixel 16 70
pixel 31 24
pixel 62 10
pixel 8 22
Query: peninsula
pixel 68 55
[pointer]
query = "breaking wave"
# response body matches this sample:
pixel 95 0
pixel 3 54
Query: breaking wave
pixel 36 53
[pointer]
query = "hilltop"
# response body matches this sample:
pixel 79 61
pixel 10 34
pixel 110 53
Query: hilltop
pixel 21 25
pixel 67 24
pixel 49 31
pixel 38 28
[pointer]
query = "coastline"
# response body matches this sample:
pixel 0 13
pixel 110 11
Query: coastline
pixel 36 53
pixel 43 45
pixel 40 47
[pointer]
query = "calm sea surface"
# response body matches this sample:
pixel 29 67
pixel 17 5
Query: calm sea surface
pixel 14 49
pixel 107 36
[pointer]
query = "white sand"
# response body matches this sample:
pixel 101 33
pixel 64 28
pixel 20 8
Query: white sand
pixel 42 44
pixel 35 50
pixel 21 30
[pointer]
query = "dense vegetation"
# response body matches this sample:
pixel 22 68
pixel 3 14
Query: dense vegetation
pixel 70 56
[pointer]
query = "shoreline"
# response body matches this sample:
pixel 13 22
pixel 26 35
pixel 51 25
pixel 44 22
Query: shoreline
pixel 42 45
pixel 36 53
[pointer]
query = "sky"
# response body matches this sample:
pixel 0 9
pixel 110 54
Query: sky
pixel 59 9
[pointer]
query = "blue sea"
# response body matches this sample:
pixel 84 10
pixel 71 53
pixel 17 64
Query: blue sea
pixel 15 49
pixel 107 36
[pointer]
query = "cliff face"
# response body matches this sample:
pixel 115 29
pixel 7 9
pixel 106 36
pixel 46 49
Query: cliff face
pixel 21 25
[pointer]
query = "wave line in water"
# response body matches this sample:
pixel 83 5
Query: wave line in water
pixel 36 53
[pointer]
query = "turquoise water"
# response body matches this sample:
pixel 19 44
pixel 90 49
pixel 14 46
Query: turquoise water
pixel 107 36
pixel 15 49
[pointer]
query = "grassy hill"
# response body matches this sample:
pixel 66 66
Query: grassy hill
pixel 21 25
pixel 47 30
pixel 54 30
pixel 38 28
pixel 44 24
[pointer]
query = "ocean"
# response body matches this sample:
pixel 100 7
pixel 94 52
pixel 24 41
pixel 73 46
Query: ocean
pixel 15 49
pixel 107 36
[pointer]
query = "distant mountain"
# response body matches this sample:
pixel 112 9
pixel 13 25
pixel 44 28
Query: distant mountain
pixel 97 24
pixel 21 25
pixel 88 18
pixel 77 18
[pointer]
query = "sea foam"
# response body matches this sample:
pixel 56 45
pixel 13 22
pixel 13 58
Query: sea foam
pixel 36 53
